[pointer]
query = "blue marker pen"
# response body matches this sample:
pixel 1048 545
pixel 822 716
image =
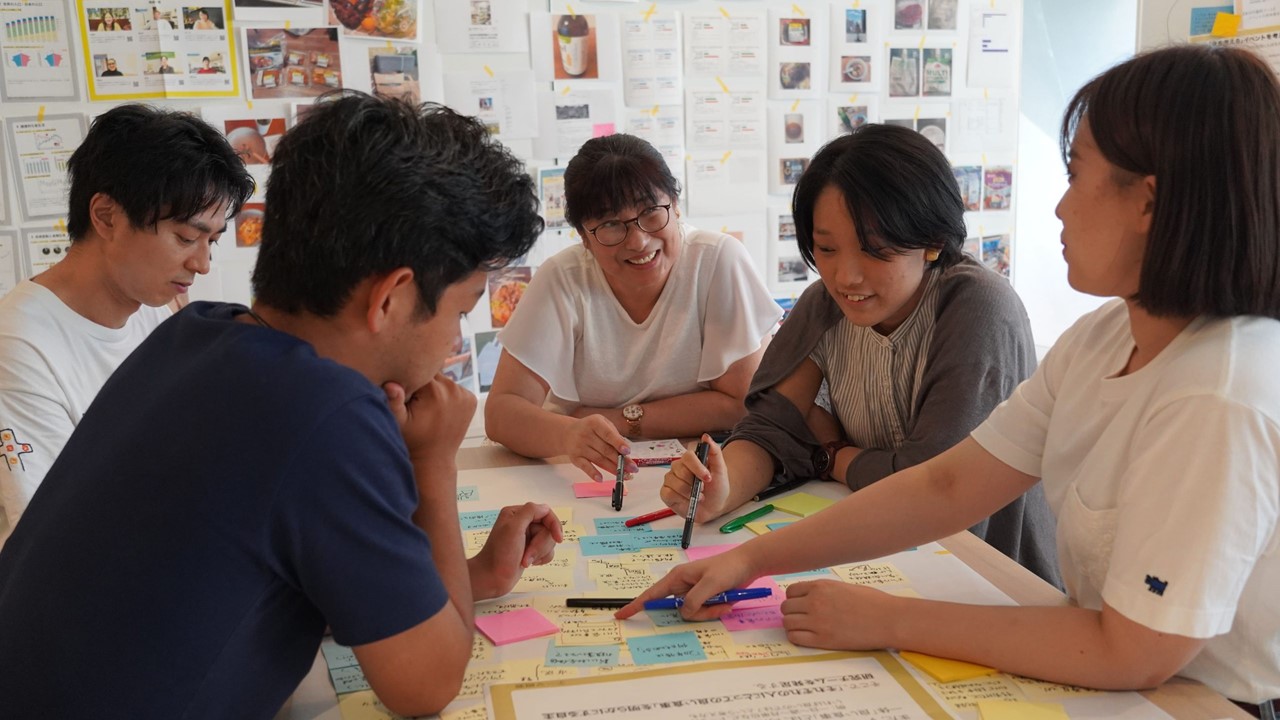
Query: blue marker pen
pixel 728 596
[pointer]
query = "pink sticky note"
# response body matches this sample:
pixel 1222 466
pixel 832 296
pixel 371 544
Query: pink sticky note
pixel 706 551
pixel 602 129
pixel 760 618
pixel 775 599
pixel 509 627
pixel 595 489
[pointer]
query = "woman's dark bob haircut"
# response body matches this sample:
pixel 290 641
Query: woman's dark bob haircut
pixel 898 187
pixel 1203 121
pixel 613 173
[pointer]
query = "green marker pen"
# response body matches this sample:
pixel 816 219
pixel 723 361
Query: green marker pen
pixel 738 523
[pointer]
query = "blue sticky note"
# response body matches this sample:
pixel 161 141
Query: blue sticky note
pixel 348 679
pixel 617 525
pixel 607 544
pixel 665 618
pixel 658 539
pixel 667 648
pixel 470 492
pixel 338 656
pixel 480 520
pixel 779 524
pixel 1202 18
pixel 574 655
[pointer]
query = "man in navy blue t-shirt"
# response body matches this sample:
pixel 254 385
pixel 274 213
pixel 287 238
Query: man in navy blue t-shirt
pixel 248 477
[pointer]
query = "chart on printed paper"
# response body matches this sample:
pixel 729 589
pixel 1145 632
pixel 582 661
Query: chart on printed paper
pixel 35 52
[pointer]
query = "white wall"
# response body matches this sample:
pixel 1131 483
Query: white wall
pixel 1064 45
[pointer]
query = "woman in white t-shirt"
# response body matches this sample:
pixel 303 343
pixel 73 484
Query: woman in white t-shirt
pixel 649 328
pixel 1154 422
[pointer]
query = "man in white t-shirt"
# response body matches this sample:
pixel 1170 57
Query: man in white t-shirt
pixel 151 191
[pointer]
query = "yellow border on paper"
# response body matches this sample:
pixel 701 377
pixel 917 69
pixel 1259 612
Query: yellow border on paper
pixel 504 706
pixel 233 92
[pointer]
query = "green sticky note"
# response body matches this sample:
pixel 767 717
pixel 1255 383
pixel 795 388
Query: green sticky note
pixel 801 503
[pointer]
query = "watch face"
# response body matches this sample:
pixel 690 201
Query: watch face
pixel 633 412
pixel 821 460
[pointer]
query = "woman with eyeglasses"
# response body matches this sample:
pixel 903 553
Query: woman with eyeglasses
pixel 911 341
pixel 650 328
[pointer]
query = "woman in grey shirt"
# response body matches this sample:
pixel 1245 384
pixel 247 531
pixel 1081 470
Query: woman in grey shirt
pixel 914 342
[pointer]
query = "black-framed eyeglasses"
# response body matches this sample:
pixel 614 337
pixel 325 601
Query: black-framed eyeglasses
pixel 651 220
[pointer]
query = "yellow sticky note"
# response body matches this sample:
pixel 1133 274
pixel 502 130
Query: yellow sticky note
pixel 759 527
pixel 801 503
pixel 1225 25
pixel 475 712
pixel 1005 710
pixel 364 705
pixel 946 670
pixel 565 513
pixel 590 632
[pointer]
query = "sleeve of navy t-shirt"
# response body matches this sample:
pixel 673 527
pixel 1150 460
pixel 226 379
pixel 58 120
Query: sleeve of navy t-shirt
pixel 343 523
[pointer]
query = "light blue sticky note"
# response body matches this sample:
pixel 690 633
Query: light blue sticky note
pixel 470 492
pixel 480 520
pixel 608 544
pixel 338 656
pixel 779 524
pixel 348 679
pixel 1202 19
pixel 574 655
pixel 617 526
pixel 658 539
pixel 806 573
pixel 665 618
pixel 666 648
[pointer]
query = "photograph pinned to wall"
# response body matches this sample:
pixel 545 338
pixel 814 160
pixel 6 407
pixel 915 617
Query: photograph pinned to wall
pixel 997 187
pixel 295 62
pixel 161 62
pixel 995 253
pixel 565 121
pixel 786 229
pixel 204 18
pixel 253 135
pixel 848 113
pixel 796 55
pixel 504 100
pixel 942 14
pixel 38 150
pixel 795 135
pixel 393 73
pixel 569 42
pixel 725 46
pixel 469 26
pixel 969 180
pixel 936 66
pixel 302 13
pixel 935 130
pixel 908 14
pixel 214 63
pixel 855 24
pixel 904 72
pixel 792 269
pixel 394 19
pixel 460 366
pixel 109 19
pixel 249 224
pixel 36 51
pixel 785 271
pixel 856 65
pixel 506 287
pixel 488 352
pixel 551 192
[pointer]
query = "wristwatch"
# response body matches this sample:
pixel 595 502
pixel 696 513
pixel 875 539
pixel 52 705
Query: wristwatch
pixel 824 458
pixel 633 414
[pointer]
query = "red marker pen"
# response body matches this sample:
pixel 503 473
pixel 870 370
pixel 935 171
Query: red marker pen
pixel 650 517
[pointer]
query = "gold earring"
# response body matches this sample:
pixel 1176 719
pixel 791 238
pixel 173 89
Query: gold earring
pixel 931 255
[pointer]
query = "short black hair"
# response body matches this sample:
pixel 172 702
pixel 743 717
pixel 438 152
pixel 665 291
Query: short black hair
pixel 157 165
pixel 1205 122
pixel 366 185
pixel 898 186
pixel 614 172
